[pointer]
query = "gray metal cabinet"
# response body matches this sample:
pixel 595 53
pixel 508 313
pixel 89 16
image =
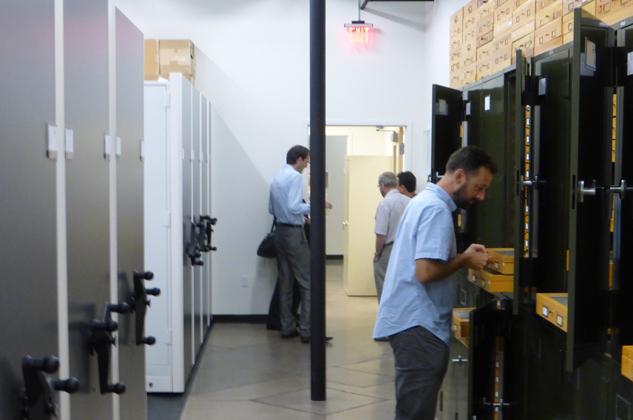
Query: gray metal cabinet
pixel 129 218
pixel 87 184
pixel 28 255
pixel 197 270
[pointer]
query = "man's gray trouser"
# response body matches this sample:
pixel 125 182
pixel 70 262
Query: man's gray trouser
pixel 294 262
pixel 421 363
pixel 380 269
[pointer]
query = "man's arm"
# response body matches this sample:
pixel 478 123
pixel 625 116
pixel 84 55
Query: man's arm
pixel 295 197
pixel 380 244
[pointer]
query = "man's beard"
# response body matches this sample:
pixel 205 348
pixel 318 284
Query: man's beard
pixel 460 198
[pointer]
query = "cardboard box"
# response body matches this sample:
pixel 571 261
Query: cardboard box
pixel 151 69
pixel 456 42
pixel 503 17
pixel 469 59
pixel 485 25
pixel 486 10
pixel 548 14
pixel 456 80
pixel 470 21
pixel 553 308
pixel 461 325
pixel 469 74
pixel 522 31
pixel 470 8
pixel 613 11
pixel 457 21
pixel 568 6
pixel 176 56
pixel 549 36
pixel 519 3
pixel 493 283
pixel 526 45
pixel 502 59
pixel 485 53
pixel 543 4
pixel 484 39
pixel 469 42
pixel 523 14
pixel 568 24
pixel 589 7
pixel 455 55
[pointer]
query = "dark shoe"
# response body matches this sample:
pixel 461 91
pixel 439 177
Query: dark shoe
pixel 306 340
pixel 290 335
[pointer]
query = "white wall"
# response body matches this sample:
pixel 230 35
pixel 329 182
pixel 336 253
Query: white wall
pixel 257 76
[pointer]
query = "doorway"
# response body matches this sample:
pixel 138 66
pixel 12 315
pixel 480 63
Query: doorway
pixel 355 157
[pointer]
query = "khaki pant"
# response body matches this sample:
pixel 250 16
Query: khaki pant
pixel 380 269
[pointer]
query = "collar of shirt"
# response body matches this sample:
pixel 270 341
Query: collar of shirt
pixel 443 195
pixel 391 192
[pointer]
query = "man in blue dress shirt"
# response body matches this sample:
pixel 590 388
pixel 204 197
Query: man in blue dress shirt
pixel 417 299
pixel 286 204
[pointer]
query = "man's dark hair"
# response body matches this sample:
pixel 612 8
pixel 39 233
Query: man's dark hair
pixel 295 153
pixel 470 159
pixel 407 180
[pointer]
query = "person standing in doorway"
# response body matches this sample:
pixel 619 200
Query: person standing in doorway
pixel 407 183
pixel 388 216
pixel 286 204
pixel 417 300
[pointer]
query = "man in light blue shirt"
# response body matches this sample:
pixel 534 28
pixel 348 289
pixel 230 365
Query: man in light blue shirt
pixel 417 299
pixel 286 204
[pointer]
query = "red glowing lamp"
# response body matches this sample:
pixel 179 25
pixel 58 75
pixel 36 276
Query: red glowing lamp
pixel 358 31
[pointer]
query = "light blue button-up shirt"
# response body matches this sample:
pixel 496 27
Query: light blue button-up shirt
pixel 426 231
pixel 286 197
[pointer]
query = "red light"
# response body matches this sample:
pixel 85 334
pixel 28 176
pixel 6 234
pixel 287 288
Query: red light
pixel 358 32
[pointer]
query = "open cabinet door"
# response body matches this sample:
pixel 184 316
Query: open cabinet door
pixel 448 111
pixel 526 180
pixel 491 379
pixel 590 171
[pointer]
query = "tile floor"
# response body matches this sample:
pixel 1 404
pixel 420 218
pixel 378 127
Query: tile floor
pixel 248 372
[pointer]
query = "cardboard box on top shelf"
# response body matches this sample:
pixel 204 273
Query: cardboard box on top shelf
pixel 469 75
pixel 151 67
pixel 543 4
pixel 503 17
pixel 613 11
pixel 503 40
pixel 469 60
pixel 176 56
pixel 525 44
pixel 549 13
pixel 470 8
pixel 549 36
pixel 457 20
pixel 485 39
pixel 524 30
pixel 519 3
pixel 524 13
pixel 485 53
pixel 502 59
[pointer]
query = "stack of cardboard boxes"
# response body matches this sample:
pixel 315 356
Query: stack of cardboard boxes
pixel 485 34
pixel 166 56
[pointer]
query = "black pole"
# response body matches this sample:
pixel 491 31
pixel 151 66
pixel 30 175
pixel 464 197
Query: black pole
pixel 317 198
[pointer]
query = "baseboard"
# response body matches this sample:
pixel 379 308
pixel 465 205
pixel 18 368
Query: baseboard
pixel 333 257
pixel 245 319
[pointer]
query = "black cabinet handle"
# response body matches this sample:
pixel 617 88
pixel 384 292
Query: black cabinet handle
pixel 138 302
pixel 37 397
pixel 101 342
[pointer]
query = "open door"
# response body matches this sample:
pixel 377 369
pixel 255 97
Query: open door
pixel 590 172
pixel 492 348
pixel 362 198
pixel 526 179
pixel 448 114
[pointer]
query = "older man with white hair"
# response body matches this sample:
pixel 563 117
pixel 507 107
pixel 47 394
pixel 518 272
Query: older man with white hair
pixel 388 216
